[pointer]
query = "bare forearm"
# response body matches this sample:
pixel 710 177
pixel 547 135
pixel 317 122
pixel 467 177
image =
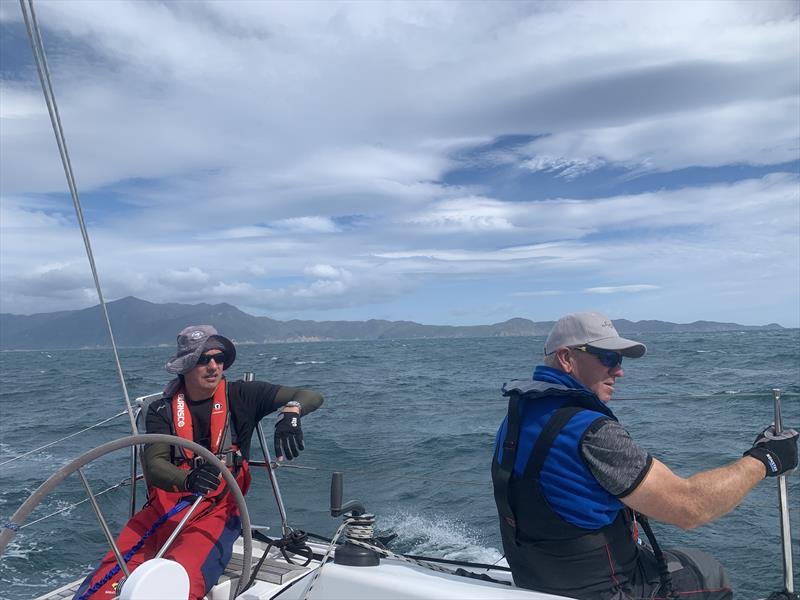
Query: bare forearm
pixel 718 491
pixel 697 500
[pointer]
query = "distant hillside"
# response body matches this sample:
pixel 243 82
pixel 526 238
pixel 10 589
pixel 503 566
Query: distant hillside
pixel 140 323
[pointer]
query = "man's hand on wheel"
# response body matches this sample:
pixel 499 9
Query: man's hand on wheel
pixel 203 479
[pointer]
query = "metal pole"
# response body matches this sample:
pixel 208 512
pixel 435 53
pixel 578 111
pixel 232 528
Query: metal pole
pixel 134 450
pixel 285 529
pixel 276 490
pixel 177 530
pixel 40 57
pixel 783 505
pixel 104 525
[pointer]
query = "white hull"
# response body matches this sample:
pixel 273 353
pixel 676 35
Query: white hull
pixel 392 579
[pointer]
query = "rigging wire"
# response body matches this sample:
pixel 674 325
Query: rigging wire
pixel 372 473
pixel 122 483
pixel 276 465
pixel 53 443
pixel 40 57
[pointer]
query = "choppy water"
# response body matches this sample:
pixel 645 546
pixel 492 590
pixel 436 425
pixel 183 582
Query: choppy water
pixel 411 423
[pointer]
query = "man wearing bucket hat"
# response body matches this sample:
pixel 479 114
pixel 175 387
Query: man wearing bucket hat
pixel 201 405
pixel 573 489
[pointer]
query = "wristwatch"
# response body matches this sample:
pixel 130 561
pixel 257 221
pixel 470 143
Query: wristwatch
pixel 292 403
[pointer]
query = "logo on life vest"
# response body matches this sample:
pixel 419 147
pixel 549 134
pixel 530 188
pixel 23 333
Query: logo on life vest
pixel 181 414
pixel 217 406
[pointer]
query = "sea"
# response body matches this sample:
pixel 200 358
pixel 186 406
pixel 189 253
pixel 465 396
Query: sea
pixel 411 424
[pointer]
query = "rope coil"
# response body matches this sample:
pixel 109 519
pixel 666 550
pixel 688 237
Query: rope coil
pixel 360 528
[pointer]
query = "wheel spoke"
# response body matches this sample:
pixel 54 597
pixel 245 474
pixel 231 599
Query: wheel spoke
pixel 177 530
pixel 104 525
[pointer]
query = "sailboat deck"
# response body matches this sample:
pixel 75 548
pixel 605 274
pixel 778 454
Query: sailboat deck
pixel 271 571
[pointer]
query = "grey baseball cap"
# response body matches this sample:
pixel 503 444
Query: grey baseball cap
pixel 591 328
pixel 192 342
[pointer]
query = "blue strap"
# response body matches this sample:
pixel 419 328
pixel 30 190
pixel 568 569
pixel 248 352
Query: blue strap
pixel 130 553
pixel 11 525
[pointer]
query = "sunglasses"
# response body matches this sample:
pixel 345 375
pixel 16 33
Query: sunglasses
pixel 608 358
pixel 204 359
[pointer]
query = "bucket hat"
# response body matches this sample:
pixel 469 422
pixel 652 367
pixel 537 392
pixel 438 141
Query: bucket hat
pixel 192 342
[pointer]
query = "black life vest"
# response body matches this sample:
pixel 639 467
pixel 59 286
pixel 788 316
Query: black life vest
pixel 545 552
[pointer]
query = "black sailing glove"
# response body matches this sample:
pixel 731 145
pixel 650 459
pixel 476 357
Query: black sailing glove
pixel 288 436
pixel 778 451
pixel 203 479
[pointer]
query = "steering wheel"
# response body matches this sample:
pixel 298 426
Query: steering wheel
pixel 18 518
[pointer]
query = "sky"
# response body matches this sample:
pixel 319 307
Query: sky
pixel 445 163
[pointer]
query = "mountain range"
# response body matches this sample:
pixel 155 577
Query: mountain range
pixel 140 323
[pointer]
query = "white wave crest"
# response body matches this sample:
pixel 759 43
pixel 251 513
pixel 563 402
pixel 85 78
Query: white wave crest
pixel 438 536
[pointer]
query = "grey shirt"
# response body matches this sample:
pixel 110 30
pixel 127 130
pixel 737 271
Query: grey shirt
pixel 617 462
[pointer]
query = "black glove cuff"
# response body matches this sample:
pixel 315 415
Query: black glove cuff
pixel 770 460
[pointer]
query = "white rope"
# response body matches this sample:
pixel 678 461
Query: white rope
pixel 40 57
pixel 307 592
pixel 360 528
pixel 40 448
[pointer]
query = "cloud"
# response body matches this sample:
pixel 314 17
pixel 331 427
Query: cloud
pixel 668 238
pixel 465 214
pixel 537 293
pixel 701 138
pixel 307 225
pixel 568 168
pixel 326 272
pixel 191 276
pixel 622 289
pixel 346 93
pixel 330 156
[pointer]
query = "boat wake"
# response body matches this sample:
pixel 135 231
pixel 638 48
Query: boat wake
pixel 437 536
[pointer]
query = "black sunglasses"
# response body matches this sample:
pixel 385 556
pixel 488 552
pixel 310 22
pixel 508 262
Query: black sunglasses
pixel 608 358
pixel 204 359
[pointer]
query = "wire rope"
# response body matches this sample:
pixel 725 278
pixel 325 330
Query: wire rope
pixel 122 483
pixel 58 441
pixel 34 34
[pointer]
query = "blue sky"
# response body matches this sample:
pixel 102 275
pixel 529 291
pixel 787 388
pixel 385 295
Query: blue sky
pixel 447 163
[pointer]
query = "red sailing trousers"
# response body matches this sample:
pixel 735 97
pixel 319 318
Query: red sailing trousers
pixel 203 547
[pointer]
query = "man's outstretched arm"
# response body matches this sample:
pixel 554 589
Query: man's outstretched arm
pixel 696 500
pixel 309 400
pixel 699 499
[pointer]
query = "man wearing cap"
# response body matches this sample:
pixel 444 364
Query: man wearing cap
pixel 200 405
pixel 573 489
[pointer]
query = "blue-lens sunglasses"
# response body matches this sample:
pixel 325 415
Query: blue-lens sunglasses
pixel 608 358
pixel 204 359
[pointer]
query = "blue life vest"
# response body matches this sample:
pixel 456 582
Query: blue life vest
pixel 562 532
pixel 568 485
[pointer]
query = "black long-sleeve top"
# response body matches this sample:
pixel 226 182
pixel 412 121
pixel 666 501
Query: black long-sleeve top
pixel 248 403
